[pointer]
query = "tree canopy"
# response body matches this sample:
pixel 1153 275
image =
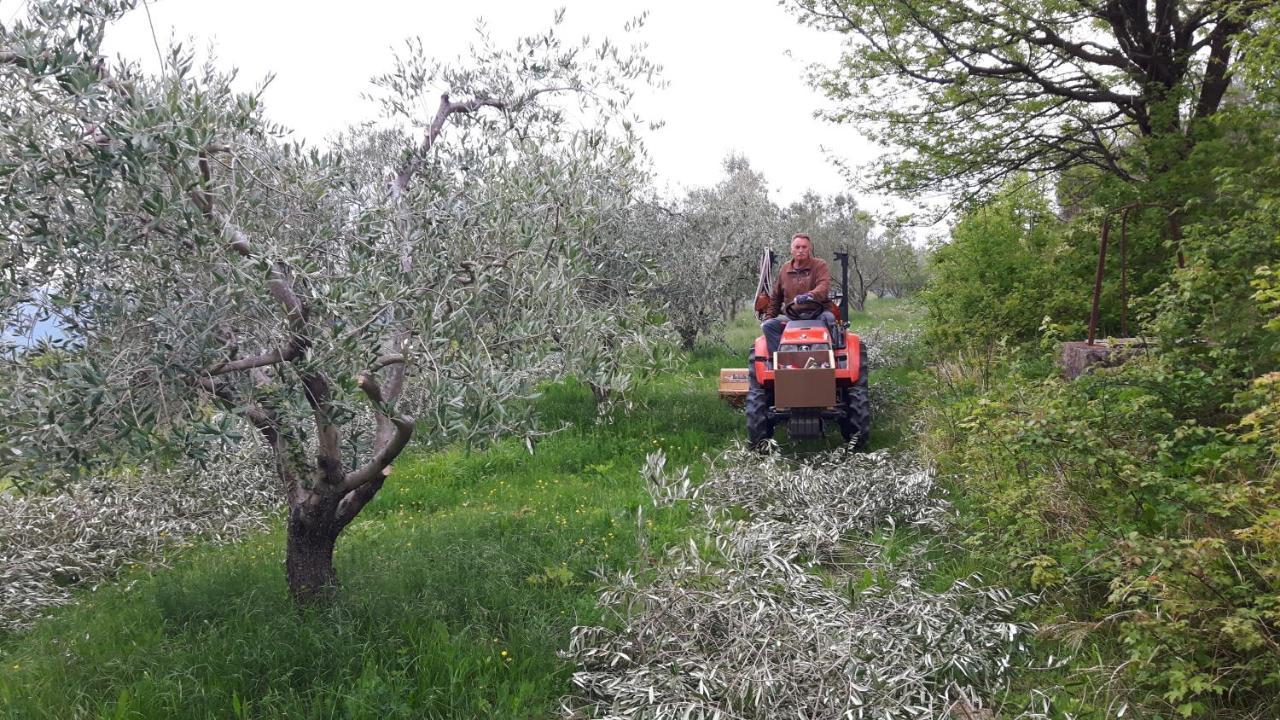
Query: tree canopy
pixel 972 93
pixel 206 270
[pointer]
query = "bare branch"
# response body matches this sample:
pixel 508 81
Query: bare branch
pixel 369 385
pixel 379 466
pixel 447 108
pixel 328 454
pixel 385 360
pixel 1216 76
pixel 353 502
pixel 273 357
pixel 280 287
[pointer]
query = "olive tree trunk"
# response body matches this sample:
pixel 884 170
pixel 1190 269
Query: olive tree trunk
pixel 308 560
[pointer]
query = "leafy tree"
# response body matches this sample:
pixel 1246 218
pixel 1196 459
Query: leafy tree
pixel 706 249
pixel 997 278
pixel 1234 228
pixel 974 93
pixel 904 265
pixel 206 271
pixel 1210 296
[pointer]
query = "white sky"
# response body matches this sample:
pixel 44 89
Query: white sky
pixel 735 70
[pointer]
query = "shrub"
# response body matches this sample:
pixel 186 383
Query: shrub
pixel 1146 514
pixel 1001 274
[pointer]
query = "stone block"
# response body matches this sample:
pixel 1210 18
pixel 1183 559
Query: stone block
pixel 1078 356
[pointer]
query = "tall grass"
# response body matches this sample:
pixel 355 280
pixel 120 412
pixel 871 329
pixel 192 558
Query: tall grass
pixel 459 583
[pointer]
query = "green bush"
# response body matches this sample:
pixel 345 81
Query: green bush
pixel 1138 520
pixel 1142 501
pixel 1000 274
pixel 1233 232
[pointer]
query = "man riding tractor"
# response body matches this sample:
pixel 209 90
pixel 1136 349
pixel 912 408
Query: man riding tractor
pixel 807 369
pixel 804 280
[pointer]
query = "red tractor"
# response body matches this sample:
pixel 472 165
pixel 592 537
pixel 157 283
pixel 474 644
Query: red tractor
pixel 817 377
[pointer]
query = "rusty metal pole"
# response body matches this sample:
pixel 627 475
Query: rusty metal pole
pixel 1097 279
pixel 1124 272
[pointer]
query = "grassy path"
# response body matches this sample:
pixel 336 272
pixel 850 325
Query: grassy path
pixel 460 584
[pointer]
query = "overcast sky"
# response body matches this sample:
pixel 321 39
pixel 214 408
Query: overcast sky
pixel 735 70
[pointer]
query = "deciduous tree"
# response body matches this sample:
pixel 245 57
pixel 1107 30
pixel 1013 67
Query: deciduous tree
pixel 971 93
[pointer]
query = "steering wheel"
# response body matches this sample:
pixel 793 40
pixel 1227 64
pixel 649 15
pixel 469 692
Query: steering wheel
pixel 803 310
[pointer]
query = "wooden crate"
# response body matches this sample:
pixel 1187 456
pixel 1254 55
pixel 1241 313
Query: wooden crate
pixel 799 388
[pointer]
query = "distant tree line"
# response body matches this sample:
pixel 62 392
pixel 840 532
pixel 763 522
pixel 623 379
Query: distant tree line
pixel 707 247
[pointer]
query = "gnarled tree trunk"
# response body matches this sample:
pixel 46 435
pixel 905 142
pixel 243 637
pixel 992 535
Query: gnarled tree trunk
pixel 308 562
pixel 688 335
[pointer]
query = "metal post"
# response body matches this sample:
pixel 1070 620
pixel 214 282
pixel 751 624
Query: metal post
pixel 1124 273
pixel 843 257
pixel 1097 279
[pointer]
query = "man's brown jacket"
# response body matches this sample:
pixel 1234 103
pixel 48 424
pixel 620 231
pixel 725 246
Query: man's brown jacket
pixel 813 277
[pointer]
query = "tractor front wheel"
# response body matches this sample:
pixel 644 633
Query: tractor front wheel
pixel 759 401
pixel 855 426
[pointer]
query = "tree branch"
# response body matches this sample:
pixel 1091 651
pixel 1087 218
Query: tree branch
pixel 368 384
pixel 273 357
pixel 400 182
pixel 328 453
pixel 264 419
pixel 280 287
pixel 9 57
pixel 379 466
pixel 447 107
pixel 385 360
pixel 1216 77
pixel 1009 67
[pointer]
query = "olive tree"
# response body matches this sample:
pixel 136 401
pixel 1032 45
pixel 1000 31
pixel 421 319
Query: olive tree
pixel 206 271
pixel 903 263
pixel 707 245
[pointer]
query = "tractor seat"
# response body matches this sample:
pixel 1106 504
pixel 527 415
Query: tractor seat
pixel 836 332
pixel 805 324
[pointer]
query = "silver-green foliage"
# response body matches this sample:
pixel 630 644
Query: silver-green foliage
pixel 54 544
pixel 743 626
pixel 172 230
pixel 207 271
pixel 706 247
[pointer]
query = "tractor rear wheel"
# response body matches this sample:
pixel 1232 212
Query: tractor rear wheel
pixel 759 401
pixel 855 426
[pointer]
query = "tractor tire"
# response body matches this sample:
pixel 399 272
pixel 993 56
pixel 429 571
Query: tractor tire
pixel 759 401
pixel 855 427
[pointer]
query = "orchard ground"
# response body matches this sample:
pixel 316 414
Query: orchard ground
pixel 460 583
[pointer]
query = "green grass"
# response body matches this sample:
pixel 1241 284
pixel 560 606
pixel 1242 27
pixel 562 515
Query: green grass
pixel 892 313
pixel 460 583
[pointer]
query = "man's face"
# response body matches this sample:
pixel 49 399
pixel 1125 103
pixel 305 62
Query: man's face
pixel 801 249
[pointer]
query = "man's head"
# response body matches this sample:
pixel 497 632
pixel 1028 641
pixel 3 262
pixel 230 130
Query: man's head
pixel 801 248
